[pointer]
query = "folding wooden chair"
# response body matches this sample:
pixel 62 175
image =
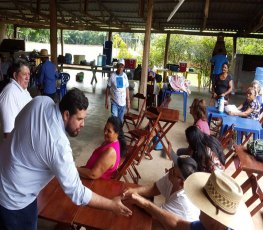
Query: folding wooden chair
pixel 131 120
pixel 168 117
pixel 148 131
pixel 227 140
pixel 128 164
pixel 257 194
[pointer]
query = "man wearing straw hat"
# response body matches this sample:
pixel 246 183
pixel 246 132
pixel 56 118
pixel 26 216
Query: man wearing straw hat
pixel 217 195
pixel 47 75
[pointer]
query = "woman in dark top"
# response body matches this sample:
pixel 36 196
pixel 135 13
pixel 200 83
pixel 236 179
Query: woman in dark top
pixel 223 85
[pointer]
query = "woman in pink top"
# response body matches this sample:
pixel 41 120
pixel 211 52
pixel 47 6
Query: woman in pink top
pixel 106 158
pixel 198 111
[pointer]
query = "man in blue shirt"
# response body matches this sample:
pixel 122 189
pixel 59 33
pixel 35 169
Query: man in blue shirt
pixel 47 75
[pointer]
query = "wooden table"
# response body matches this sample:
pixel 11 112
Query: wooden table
pixel 93 68
pixel 54 205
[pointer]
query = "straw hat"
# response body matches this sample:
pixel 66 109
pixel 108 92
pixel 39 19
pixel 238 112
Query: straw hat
pixel 220 197
pixel 43 53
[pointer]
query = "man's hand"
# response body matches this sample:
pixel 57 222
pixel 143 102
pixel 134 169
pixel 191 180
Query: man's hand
pixel 127 192
pixel 119 209
pixel 135 198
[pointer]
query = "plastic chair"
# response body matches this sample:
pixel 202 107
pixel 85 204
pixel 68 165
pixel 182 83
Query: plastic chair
pixel 62 88
pixel 131 120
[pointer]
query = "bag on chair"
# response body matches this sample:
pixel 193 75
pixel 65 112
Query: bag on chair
pixel 255 148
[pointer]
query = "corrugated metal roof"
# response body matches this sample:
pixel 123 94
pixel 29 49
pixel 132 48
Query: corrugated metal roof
pixel 239 16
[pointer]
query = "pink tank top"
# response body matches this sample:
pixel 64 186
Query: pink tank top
pixel 96 155
pixel 203 126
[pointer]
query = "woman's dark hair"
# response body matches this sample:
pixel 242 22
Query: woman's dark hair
pixel 73 101
pixel 198 142
pixel 199 109
pixel 117 126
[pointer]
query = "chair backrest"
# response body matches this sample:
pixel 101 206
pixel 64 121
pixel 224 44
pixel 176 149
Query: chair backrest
pixel 227 137
pixel 141 99
pixel 132 153
pixel 136 117
pixel 64 78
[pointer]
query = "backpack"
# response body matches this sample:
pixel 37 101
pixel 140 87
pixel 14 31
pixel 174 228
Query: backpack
pixel 255 148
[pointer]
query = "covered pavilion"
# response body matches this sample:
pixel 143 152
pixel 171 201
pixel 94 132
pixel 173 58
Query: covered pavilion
pixel 236 18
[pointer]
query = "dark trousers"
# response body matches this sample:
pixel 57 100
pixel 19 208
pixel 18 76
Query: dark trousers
pixel 23 219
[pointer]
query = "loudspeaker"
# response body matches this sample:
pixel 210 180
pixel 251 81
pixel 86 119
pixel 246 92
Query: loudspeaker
pixel 108 53
pixel 108 44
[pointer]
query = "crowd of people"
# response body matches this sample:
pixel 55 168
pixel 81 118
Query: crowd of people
pixel 188 186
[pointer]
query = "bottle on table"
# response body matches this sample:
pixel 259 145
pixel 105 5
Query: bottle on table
pixel 221 102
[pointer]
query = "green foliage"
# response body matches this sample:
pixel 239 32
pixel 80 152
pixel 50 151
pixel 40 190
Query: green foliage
pixel 84 37
pixel 250 46
pixel 195 50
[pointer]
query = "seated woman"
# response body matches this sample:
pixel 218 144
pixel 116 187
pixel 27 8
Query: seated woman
pixel 106 158
pixel 205 149
pixel 198 111
pixel 250 108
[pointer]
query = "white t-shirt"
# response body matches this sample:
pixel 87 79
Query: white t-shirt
pixel 12 99
pixel 177 202
pixel 118 84
pixel 37 150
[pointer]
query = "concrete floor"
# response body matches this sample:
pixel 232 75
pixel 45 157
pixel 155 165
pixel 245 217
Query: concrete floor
pixel 92 134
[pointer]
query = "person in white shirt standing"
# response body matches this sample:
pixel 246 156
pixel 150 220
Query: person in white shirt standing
pixel 118 88
pixel 38 149
pixel 14 96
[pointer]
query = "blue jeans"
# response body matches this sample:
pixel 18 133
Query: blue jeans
pixel 117 111
pixel 23 219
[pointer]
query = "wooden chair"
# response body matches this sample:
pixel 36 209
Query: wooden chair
pixel 165 122
pixel 133 119
pixel 245 162
pixel 148 131
pixel 128 164
pixel 227 140
pixel 252 182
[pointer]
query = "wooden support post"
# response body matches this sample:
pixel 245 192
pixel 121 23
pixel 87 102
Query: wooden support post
pixel 53 30
pixel 146 49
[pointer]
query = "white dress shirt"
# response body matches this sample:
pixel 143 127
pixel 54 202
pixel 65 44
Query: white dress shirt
pixel 12 99
pixel 37 150
pixel 177 202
